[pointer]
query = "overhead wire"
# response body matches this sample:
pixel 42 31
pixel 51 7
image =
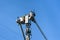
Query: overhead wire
pixel 8 28
pixel 40 30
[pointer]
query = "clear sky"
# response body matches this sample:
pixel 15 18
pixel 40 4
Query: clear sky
pixel 47 16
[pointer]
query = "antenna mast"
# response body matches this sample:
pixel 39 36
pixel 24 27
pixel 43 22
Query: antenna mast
pixel 27 21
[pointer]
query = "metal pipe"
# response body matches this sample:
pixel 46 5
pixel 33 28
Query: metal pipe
pixel 40 30
pixel 22 32
pixel 28 31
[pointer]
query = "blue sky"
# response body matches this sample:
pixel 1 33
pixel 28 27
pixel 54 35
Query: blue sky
pixel 47 16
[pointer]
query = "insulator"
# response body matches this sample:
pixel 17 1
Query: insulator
pixel 20 20
pixel 32 13
pixel 31 16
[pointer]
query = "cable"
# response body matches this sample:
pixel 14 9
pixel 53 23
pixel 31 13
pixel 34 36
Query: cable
pixel 40 30
pixel 22 31
pixel 8 28
pixel 33 19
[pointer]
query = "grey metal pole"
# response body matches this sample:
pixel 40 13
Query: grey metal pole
pixel 27 37
pixel 28 32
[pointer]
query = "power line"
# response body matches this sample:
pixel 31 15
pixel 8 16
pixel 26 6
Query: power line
pixel 41 30
pixel 8 28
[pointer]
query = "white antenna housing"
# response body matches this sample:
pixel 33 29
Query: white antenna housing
pixel 27 19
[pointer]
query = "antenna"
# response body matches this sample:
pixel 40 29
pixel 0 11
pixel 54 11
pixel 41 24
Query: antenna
pixel 18 21
pixel 27 21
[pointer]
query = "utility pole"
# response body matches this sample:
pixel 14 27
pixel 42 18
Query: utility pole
pixel 28 27
pixel 28 32
pixel 27 21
